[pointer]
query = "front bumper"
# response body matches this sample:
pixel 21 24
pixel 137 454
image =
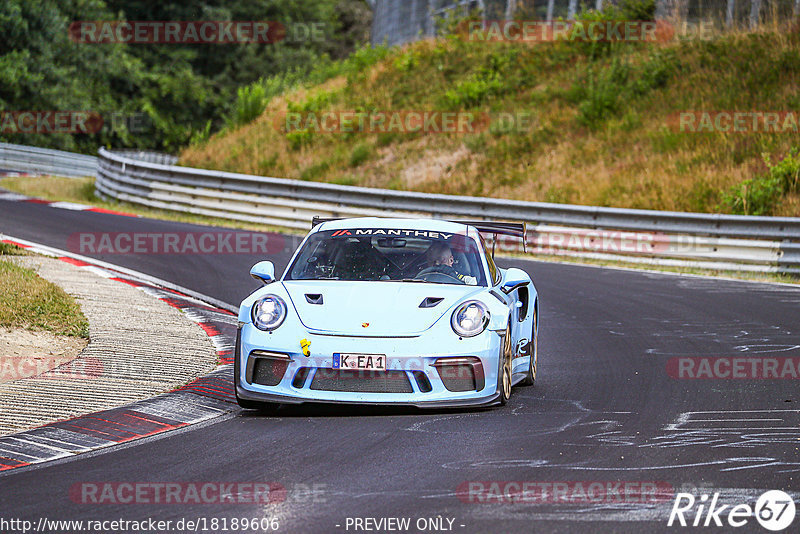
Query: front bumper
pixel 418 381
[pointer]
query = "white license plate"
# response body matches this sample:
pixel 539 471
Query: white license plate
pixel 360 362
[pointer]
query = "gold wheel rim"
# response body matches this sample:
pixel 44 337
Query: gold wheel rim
pixel 535 351
pixel 507 364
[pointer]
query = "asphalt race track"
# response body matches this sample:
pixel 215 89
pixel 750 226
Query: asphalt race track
pixel 604 409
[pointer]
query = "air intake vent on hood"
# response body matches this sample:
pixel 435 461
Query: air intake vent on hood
pixel 312 298
pixel 430 302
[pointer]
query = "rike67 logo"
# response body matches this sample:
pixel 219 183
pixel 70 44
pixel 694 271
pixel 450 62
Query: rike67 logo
pixel 774 510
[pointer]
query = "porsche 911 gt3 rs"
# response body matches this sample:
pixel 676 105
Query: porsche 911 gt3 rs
pixel 388 311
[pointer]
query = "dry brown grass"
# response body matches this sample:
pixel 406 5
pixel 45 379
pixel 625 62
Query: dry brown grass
pixel 31 302
pixel 630 158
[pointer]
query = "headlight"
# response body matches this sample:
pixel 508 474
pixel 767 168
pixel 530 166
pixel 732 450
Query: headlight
pixel 470 319
pixel 268 312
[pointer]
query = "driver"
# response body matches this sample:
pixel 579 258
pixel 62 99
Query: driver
pixel 440 260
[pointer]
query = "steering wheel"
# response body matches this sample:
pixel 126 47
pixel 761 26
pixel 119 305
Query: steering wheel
pixel 429 274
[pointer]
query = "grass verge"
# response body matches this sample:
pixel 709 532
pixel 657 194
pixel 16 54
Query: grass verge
pixel 29 301
pixel 7 249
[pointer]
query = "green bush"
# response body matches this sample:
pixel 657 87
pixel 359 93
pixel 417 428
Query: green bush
pixel 476 144
pixel 299 138
pixel 624 10
pixel 7 249
pixel 499 74
pixel 364 57
pixel 251 101
pixel 654 73
pixel 760 195
pixel 345 180
pixel 202 135
pixel 315 102
pixel 472 92
pixel 407 61
pixel 604 91
pixel 266 165
pixel 634 9
pixel 787 170
pixel 360 154
pixel 601 92
pixel 755 196
pixel 315 171
pixel 386 138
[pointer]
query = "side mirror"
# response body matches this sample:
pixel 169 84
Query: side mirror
pixel 515 279
pixel 263 271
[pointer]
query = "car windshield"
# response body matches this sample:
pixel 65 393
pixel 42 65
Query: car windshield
pixel 379 254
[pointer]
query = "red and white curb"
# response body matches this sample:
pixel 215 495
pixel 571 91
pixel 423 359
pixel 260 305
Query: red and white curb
pixel 72 206
pixel 201 400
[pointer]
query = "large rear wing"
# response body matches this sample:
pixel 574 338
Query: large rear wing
pixel 485 227
pixel 497 228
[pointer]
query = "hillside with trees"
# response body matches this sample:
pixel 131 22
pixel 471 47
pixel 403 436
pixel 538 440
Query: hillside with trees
pixel 156 96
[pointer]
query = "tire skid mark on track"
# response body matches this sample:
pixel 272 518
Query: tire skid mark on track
pixel 743 462
pixel 737 429
pixel 728 430
pixel 613 511
pixel 575 418
pixel 204 398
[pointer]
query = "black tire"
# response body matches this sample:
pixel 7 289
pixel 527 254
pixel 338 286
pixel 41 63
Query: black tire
pixel 504 378
pixel 530 376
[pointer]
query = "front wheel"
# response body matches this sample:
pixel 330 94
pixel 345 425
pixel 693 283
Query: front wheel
pixel 506 355
pixel 530 376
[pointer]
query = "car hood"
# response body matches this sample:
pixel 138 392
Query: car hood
pixel 369 309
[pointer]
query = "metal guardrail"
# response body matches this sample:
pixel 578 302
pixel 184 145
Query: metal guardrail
pixel 729 242
pixel 34 160
pixel 724 242
pixel 149 157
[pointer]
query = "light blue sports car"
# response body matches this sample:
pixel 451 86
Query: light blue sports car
pixel 388 311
